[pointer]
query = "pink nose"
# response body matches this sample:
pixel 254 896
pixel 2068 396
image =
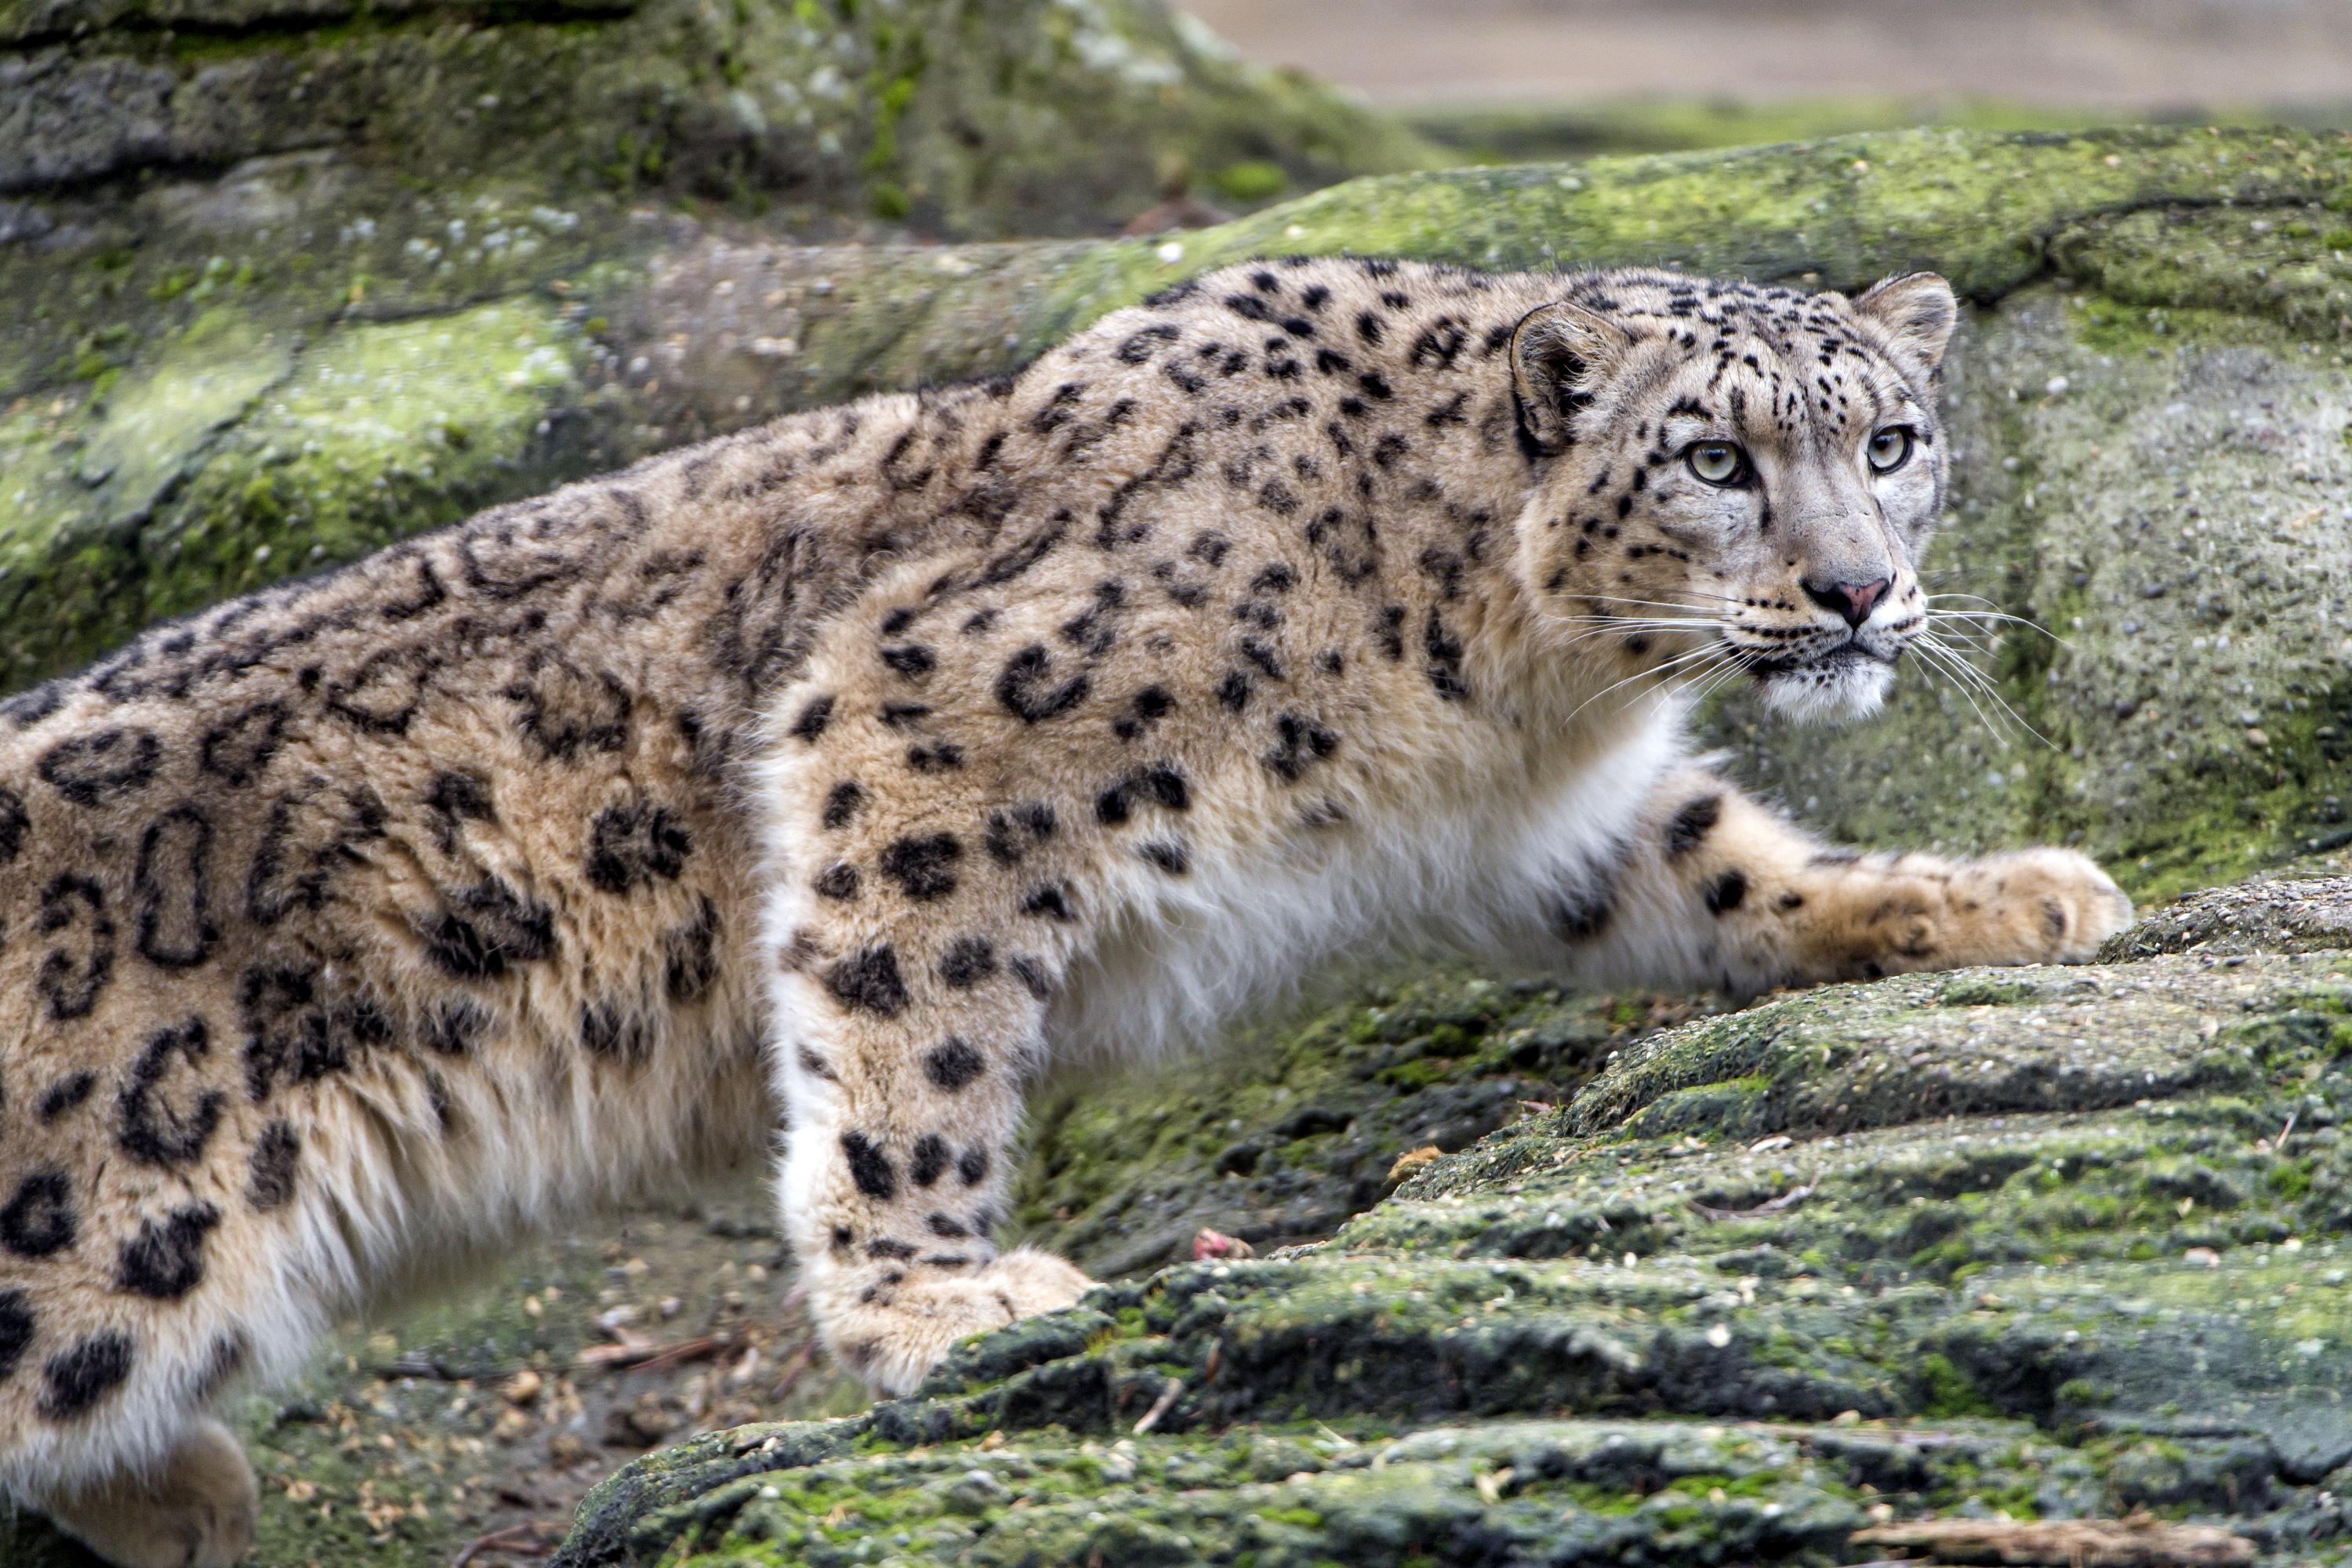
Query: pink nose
pixel 1851 601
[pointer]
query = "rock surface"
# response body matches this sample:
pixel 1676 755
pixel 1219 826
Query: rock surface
pixel 2045 1243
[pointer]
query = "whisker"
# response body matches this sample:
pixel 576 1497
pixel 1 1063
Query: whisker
pixel 1664 669
pixel 1985 684
pixel 1933 660
pixel 1934 615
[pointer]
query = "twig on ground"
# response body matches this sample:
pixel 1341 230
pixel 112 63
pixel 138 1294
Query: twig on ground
pixel 803 1358
pixel 1788 1199
pixel 527 1539
pixel 2142 1540
pixel 1160 1406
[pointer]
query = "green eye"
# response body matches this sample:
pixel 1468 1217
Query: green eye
pixel 1890 449
pixel 1717 462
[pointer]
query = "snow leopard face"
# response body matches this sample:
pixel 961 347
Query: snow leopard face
pixel 1740 478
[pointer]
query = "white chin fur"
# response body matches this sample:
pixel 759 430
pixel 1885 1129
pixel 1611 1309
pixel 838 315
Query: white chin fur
pixel 1831 694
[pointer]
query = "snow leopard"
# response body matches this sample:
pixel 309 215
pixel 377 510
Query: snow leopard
pixel 815 788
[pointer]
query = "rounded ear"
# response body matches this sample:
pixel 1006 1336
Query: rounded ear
pixel 1918 312
pixel 1559 351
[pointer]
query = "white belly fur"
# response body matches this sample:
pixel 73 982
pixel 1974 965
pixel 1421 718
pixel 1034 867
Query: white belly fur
pixel 1454 867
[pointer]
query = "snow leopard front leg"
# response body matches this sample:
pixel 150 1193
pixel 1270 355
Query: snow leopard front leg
pixel 1713 888
pixel 915 959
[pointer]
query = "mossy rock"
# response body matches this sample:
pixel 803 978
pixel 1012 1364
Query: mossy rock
pixel 2050 1243
pixel 978 119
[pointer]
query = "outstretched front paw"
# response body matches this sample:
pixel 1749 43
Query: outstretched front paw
pixel 2038 905
pixel 892 1327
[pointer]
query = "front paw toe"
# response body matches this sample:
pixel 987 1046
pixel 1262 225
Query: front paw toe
pixel 2076 906
pixel 892 1333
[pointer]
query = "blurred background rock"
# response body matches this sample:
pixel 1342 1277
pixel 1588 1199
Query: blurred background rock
pixel 1513 81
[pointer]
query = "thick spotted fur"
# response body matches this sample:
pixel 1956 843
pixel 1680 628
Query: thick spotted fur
pixel 839 775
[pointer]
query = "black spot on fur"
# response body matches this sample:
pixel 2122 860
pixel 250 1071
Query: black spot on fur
pixel 972 1166
pixel 868 981
pixel 813 719
pixel 277 1156
pixel 75 1380
pixel 842 804
pixel 943 1224
pixel 629 845
pixel 292 1032
pixel 1233 691
pixel 1026 689
pixel 454 798
pixel 870 1168
pixel 923 867
pixel 102 767
pixel 1444 651
pixel 65 1094
pixel 1052 901
pixel 14 825
pixel 1151 704
pixel 564 712
pixel 1031 973
pixel 454 1028
pixel 1095 630
pixel 838 881
pixel 931 1159
pixel 887 1246
pixel 1579 914
pixel 76 971
pixel 953 1065
pixel 489 928
pixel 40 1219
pixel 1013 562
pixel 1158 784
pixel 1724 895
pixel 16 1330
pixel 690 957
pixel 383 695
pixel 236 750
pixel 816 1066
pixel 904 715
pixel 1009 832
pixel 1170 855
pixel 1265 658
pixel 969 961
pixel 615 1031
pixel 306 837
pixel 1689 826
pixel 166 1111
pixel 1301 743
pixel 166 1259
pixel 939 757
pixel 913 660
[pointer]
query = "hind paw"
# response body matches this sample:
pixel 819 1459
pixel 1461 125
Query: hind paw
pixel 198 1511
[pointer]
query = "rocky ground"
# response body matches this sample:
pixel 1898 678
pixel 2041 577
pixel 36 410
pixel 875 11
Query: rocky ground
pixel 1982 1251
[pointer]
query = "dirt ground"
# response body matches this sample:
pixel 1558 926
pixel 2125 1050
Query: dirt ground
pixel 2147 56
